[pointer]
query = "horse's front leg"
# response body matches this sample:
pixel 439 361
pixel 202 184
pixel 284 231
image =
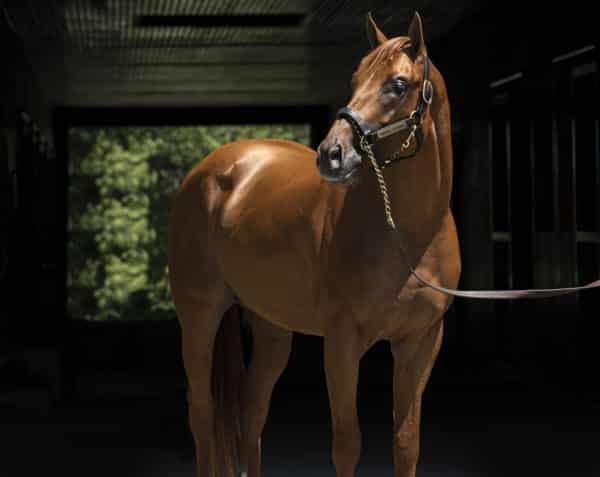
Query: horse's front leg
pixel 413 361
pixel 343 350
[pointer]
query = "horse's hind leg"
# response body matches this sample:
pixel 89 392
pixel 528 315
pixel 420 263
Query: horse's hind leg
pixel 270 353
pixel 199 325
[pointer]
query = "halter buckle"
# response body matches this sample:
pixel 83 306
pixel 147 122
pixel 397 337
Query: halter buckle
pixel 427 92
pixel 411 136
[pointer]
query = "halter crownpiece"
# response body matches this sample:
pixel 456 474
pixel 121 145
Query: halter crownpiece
pixel 371 133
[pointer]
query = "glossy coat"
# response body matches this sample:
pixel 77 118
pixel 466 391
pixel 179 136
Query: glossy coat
pixel 256 222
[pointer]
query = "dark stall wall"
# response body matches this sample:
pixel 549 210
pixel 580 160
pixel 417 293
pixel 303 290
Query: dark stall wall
pixel 27 222
pixel 526 186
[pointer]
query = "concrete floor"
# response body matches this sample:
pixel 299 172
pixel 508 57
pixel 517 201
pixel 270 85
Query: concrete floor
pixel 467 433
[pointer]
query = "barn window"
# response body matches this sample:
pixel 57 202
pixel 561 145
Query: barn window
pixel 121 180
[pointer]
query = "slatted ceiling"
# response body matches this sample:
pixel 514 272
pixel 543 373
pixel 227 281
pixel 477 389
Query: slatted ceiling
pixel 170 74
pixel 207 56
pixel 161 98
pixel 89 36
pixel 93 25
pixel 206 87
pixel 283 20
pixel 91 52
pixel 241 72
pixel 201 83
pixel 205 80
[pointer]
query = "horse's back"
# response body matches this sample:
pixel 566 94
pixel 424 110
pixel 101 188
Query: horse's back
pixel 238 153
pixel 256 179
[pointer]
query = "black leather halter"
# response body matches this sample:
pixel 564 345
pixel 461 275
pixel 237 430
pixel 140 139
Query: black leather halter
pixel 413 123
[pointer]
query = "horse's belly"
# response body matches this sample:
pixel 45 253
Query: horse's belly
pixel 278 287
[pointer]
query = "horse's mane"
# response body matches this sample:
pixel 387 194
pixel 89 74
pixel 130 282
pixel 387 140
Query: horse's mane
pixel 381 55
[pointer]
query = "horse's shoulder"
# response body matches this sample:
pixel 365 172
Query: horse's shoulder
pixel 441 260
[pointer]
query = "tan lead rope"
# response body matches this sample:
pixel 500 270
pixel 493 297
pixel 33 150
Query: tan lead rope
pixel 478 294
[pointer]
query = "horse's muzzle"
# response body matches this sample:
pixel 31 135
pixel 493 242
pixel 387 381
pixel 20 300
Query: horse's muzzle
pixel 336 164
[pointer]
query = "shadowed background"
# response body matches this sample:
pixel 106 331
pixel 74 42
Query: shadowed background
pixel 515 389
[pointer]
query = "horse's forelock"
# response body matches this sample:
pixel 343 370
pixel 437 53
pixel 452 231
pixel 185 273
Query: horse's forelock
pixel 381 55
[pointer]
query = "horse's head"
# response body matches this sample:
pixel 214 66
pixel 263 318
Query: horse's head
pixel 390 84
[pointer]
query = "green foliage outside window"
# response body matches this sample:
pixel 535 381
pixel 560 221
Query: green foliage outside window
pixel 121 181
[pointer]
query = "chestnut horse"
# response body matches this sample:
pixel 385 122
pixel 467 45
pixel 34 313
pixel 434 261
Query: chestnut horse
pixel 306 249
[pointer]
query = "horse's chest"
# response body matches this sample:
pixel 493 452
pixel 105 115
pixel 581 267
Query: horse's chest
pixel 371 275
pixel 383 297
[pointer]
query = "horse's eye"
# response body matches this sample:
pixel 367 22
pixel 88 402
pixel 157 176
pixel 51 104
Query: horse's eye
pixel 399 87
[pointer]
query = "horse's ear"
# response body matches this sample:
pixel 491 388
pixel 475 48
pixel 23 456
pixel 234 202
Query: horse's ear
pixel 415 33
pixel 376 37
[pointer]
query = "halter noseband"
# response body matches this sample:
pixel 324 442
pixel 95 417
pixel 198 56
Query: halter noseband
pixel 369 133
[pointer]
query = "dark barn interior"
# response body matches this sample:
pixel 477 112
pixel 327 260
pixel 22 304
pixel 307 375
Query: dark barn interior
pixel 515 390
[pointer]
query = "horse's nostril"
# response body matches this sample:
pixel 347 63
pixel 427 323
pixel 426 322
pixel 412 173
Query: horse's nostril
pixel 335 156
pixel 335 152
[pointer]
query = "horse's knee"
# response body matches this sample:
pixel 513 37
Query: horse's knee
pixel 406 452
pixel 405 438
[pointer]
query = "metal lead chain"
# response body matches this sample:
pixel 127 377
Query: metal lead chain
pixel 365 146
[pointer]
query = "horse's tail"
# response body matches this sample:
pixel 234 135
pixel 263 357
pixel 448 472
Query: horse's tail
pixel 227 373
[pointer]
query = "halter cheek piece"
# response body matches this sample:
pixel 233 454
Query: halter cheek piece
pixel 369 134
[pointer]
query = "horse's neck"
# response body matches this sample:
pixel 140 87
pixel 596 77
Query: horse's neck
pixel 420 188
